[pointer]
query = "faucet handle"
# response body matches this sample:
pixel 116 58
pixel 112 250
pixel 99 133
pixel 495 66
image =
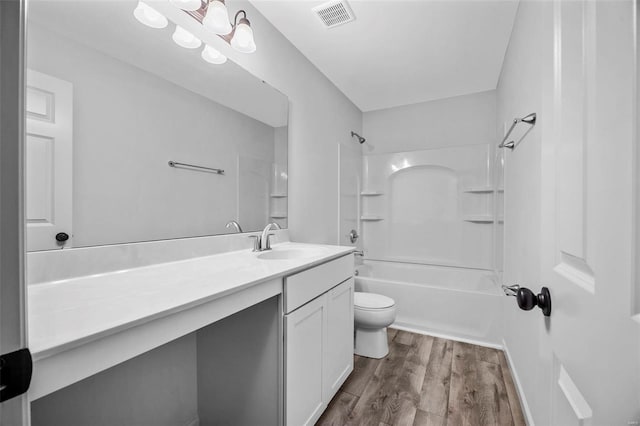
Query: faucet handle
pixel 256 242
pixel 267 244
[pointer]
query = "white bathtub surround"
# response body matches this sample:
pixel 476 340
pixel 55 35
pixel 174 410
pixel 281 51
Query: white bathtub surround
pixel 456 303
pixel 429 206
pixel 82 325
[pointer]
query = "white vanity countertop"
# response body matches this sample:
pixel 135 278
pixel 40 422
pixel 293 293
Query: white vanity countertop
pixel 68 313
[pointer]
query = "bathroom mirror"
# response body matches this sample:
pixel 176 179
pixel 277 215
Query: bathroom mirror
pixel 111 102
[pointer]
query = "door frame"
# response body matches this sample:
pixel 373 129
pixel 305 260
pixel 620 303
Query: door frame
pixel 13 308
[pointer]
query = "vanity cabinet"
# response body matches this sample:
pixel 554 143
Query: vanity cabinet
pixel 318 327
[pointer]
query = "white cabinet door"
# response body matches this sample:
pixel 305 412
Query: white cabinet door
pixel 48 149
pixel 338 358
pixel 305 339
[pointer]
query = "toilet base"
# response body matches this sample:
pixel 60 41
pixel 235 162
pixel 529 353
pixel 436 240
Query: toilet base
pixel 371 342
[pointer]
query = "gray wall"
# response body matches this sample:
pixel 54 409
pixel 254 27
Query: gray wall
pixel 461 120
pixel 321 118
pixel 127 124
pixel 158 388
pixel 239 368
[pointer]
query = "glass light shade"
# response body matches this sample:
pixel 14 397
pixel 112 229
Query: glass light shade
pixel 217 18
pixel 213 56
pixel 185 39
pixel 242 39
pixel 149 16
pixel 190 5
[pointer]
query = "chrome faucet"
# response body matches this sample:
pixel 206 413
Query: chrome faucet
pixel 264 243
pixel 236 225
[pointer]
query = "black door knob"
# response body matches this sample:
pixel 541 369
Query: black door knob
pixel 62 237
pixel 527 300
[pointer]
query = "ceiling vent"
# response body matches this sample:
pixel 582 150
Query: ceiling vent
pixel 334 13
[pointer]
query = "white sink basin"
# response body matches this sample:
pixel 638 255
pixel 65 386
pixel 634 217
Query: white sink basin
pixel 286 254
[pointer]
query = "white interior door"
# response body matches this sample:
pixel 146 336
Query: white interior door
pixel 587 222
pixel 49 161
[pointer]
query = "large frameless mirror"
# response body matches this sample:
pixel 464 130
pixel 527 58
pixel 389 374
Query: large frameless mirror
pixel 131 137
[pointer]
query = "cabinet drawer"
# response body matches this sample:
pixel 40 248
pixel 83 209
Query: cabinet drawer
pixel 306 285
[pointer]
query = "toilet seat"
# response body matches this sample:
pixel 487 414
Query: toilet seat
pixel 372 301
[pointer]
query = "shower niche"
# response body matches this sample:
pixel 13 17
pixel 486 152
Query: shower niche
pixel 432 206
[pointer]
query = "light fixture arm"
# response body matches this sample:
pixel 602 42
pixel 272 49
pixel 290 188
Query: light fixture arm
pixel 235 19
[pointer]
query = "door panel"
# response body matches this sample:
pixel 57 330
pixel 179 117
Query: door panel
pixel 587 219
pixel 49 160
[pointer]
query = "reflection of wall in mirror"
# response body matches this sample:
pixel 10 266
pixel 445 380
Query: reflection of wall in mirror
pixel 280 177
pixel 127 124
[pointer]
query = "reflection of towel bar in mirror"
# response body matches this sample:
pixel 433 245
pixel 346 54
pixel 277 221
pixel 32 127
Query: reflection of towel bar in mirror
pixel 529 119
pixel 176 164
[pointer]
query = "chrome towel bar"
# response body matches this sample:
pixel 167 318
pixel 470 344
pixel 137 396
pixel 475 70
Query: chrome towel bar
pixel 176 164
pixel 529 119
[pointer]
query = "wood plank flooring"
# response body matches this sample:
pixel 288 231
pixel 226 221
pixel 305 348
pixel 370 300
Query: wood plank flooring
pixel 427 381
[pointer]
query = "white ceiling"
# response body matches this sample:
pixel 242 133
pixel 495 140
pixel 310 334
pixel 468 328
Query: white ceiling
pixel 402 52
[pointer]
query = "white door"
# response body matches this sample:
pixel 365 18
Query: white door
pixel 49 161
pixel 305 341
pixel 591 342
pixel 338 359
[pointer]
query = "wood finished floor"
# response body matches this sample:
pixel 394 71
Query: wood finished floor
pixel 427 381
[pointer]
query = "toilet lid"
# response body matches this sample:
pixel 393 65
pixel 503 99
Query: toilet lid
pixel 372 300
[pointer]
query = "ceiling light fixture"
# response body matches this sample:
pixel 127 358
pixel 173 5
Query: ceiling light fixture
pixel 185 39
pixel 212 55
pixel 242 36
pixel 217 18
pixel 190 5
pixel 213 16
pixel 148 16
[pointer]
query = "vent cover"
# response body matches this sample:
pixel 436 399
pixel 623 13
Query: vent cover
pixel 334 13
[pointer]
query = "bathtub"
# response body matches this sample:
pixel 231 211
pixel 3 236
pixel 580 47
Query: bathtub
pixel 462 304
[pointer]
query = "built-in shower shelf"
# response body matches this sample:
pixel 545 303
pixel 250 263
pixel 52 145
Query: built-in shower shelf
pixel 278 195
pixel 370 193
pixel 279 216
pixel 371 218
pixel 479 218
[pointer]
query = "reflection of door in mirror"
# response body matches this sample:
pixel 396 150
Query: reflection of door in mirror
pixel 49 118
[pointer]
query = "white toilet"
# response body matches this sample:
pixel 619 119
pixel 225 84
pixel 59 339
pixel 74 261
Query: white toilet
pixel 372 314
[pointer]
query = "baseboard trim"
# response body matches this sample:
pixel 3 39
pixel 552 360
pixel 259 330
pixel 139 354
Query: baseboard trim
pixel 516 379
pixel 400 326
